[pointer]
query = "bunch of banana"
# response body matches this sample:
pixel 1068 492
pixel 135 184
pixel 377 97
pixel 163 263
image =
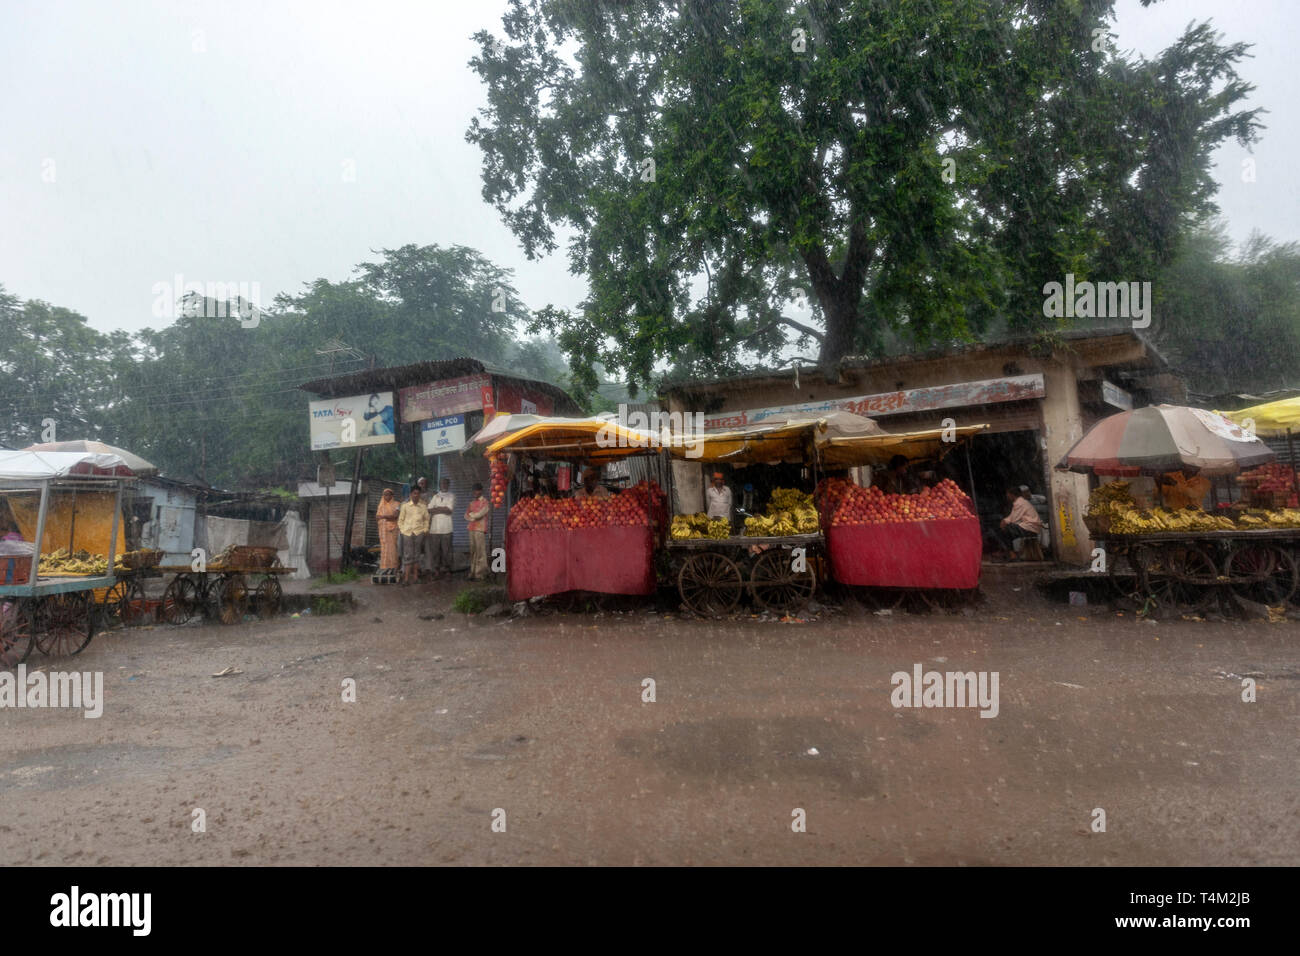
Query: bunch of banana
pixel 788 499
pixel 719 528
pixel 1111 499
pixel 695 526
pixel 789 511
pixel 80 562
pixel 1284 518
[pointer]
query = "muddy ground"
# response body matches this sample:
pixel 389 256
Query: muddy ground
pixel 542 717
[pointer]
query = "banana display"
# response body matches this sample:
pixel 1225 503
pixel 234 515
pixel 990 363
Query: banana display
pixel 789 511
pixel 699 525
pixel 1126 517
pixel 76 562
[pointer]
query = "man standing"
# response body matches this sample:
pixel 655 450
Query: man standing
pixel 412 526
pixel 591 486
pixel 439 537
pixel 479 518
pixel 717 498
pixel 1023 522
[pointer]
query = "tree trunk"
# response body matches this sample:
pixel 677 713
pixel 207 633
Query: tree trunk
pixel 841 312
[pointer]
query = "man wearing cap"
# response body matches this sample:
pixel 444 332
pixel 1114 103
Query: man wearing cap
pixel 591 486
pixel 717 498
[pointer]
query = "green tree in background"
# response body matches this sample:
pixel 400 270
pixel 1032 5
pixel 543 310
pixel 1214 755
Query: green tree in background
pixel 920 169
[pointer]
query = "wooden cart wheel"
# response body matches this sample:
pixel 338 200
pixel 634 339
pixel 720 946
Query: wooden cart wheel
pixel 65 624
pixel 123 605
pixel 16 631
pixel 232 598
pixel 774 584
pixel 1124 567
pixel 710 583
pixel 182 600
pixel 269 597
pixel 1181 576
pixel 1262 573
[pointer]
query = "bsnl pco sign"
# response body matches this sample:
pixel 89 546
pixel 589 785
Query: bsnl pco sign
pixel 441 435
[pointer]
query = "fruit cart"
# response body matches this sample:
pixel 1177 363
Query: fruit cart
pixel 73 499
pixel 1189 570
pixel 236 581
pixel 578 548
pixel 887 550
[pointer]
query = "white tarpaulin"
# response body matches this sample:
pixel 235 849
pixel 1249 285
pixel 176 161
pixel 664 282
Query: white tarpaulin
pixel 37 465
pixel 288 536
pixel 295 554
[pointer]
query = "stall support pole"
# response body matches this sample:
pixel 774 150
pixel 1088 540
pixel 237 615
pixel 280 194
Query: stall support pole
pixel 970 476
pixel 1290 447
pixel 112 536
pixel 40 531
pixel 345 560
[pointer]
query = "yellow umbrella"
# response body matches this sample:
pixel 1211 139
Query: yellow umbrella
pixel 1273 419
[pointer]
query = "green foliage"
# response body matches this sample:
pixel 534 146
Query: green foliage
pixel 469 601
pixel 336 577
pixel 325 604
pixel 822 169
pixel 1231 322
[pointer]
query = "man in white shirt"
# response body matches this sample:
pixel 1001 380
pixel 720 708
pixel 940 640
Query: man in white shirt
pixel 438 540
pixel 717 498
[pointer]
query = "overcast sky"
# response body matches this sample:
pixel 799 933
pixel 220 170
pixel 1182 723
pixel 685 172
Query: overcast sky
pixel 282 142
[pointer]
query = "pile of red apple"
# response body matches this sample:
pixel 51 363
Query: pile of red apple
pixel 630 509
pixel 849 504
pixel 498 481
pixel 1274 476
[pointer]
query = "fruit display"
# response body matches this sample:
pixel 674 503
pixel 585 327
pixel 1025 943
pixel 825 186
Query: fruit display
pixel 63 562
pixel 699 525
pixel 632 508
pixel 1273 484
pixel 1110 500
pixel 1114 501
pixel 497 481
pixel 850 504
pixel 789 511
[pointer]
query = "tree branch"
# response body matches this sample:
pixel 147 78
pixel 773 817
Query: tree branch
pixel 785 320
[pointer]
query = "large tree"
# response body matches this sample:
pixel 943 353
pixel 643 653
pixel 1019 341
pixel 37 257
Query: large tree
pixel 920 168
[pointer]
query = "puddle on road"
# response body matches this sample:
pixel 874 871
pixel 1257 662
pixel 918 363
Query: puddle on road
pixel 55 768
pixel 746 750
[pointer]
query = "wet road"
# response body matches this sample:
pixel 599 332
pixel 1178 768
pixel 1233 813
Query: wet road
pixel 540 725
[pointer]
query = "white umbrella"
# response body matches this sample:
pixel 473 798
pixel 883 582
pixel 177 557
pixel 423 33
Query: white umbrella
pixel 137 464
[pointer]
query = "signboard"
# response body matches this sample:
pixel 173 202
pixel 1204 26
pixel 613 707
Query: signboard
pixel 987 392
pixel 443 434
pixel 441 399
pixel 488 405
pixel 513 397
pixel 348 422
pixel 1115 396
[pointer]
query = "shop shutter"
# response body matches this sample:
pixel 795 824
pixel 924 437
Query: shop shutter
pixel 463 473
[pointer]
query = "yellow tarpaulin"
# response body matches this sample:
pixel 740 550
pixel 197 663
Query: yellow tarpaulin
pixel 878 449
pixel 1272 419
pixel 583 439
pixel 83 517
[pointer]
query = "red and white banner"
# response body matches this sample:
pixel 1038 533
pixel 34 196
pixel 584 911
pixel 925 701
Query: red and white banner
pixel 452 396
pixel 986 392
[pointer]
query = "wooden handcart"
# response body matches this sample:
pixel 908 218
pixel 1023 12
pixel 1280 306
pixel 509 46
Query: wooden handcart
pixel 226 591
pixel 1189 570
pixel 778 573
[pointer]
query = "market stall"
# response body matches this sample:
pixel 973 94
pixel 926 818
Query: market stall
pixel 65 541
pixel 891 545
pixel 601 546
pixel 1185 558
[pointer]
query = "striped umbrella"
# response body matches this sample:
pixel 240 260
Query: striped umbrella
pixel 1161 438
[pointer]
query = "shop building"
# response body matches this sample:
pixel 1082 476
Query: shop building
pixel 434 407
pixel 1037 399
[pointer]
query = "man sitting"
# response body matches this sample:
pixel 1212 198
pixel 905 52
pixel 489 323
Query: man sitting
pixel 1023 522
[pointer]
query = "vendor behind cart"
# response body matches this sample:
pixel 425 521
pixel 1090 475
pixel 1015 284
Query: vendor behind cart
pixel 898 479
pixel 591 486
pixel 717 498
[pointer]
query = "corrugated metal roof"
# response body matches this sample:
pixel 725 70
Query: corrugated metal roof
pixel 814 372
pixel 422 373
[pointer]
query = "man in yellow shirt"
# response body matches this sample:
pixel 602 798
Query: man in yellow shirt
pixel 1184 489
pixel 412 526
